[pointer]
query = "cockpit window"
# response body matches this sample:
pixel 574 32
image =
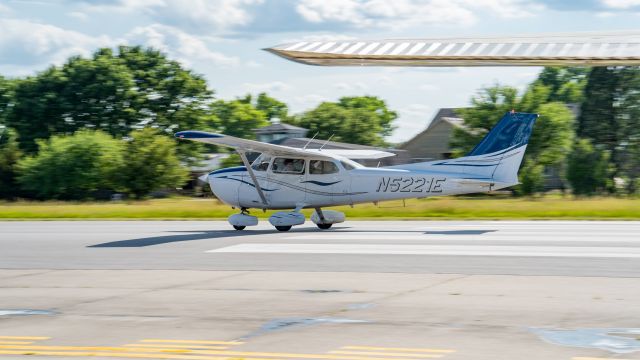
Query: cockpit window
pixel 288 166
pixel 318 167
pixel 347 166
pixel 261 163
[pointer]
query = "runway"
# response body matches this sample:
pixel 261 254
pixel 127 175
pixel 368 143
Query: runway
pixel 579 248
pixel 374 290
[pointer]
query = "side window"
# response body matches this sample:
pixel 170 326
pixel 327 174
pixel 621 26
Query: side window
pixel 318 167
pixel 347 166
pixel 288 166
pixel 261 164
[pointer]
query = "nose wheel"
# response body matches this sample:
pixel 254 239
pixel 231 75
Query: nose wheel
pixel 283 228
pixel 324 226
pixel 242 220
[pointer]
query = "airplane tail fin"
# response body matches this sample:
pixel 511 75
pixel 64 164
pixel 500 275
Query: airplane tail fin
pixel 496 159
pixel 499 154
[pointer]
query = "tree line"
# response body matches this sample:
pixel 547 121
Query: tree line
pixel 595 152
pixel 103 124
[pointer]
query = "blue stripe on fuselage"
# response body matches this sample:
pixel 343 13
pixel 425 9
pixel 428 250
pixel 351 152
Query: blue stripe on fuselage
pixel 231 169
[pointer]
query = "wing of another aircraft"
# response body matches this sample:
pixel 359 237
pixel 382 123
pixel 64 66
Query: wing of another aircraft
pixel 581 49
pixel 278 150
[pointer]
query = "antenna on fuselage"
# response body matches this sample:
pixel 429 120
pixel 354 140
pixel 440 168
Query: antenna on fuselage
pixel 326 142
pixel 310 140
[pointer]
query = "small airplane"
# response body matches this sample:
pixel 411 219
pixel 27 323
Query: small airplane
pixel 297 178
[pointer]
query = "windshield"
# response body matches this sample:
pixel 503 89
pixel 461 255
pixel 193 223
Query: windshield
pixel 261 163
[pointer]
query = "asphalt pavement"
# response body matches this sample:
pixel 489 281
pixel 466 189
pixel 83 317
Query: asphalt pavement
pixel 362 291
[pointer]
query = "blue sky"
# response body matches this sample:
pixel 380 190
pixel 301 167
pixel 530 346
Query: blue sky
pixel 222 39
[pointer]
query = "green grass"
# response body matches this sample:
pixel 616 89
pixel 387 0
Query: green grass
pixel 550 207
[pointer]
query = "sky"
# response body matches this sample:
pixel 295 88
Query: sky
pixel 223 40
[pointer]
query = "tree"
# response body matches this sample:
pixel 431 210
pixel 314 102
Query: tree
pixel 113 92
pixel 598 120
pixel 271 107
pixel 237 118
pixel 566 84
pixel 531 178
pixel 610 118
pixel 487 107
pixel 551 138
pixel 10 154
pixel 587 168
pixel 71 167
pixel 150 164
pixel 362 120
pixel 6 97
pixel 375 106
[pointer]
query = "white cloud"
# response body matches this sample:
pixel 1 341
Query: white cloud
pixel 357 86
pixel 309 100
pixel 428 87
pixel 179 45
pixel 408 13
pixel 416 110
pixel 27 43
pixel 78 15
pixel 26 46
pixel 274 86
pixel 204 15
pixel 620 4
pixel 385 80
pixel 319 37
pixel 4 9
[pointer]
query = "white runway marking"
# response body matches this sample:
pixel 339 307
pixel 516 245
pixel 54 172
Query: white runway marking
pixel 475 234
pixel 457 250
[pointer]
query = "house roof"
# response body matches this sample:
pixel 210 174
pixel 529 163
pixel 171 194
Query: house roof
pixel 448 115
pixel 279 128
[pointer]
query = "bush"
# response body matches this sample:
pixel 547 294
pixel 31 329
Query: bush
pixel 587 170
pixel 150 164
pixel 71 167
pixel 9 155
pixel 531 178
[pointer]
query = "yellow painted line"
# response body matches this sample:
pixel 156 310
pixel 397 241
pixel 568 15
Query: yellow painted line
pixel 397 349
pixel 2 342
pixel 116 355
pixel 212 342
pixel 24 338
pixel 234 354
pixel 385 354
pixel 203 347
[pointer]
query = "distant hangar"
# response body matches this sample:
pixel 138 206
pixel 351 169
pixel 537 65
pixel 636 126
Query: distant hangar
pixel 583 49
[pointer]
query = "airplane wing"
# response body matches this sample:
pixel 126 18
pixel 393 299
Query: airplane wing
pixel 354 154
pixel 277 150
pixel 590 49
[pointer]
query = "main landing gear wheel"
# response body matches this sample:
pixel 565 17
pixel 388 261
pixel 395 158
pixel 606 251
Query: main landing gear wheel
pixel 283 228
pixel 324 226
pixel 237 227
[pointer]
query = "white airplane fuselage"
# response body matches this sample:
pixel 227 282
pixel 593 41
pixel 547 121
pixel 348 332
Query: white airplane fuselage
pixel 360 184
pixel 293 179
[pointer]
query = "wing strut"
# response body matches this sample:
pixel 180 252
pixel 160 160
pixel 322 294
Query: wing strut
pixel 253 176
